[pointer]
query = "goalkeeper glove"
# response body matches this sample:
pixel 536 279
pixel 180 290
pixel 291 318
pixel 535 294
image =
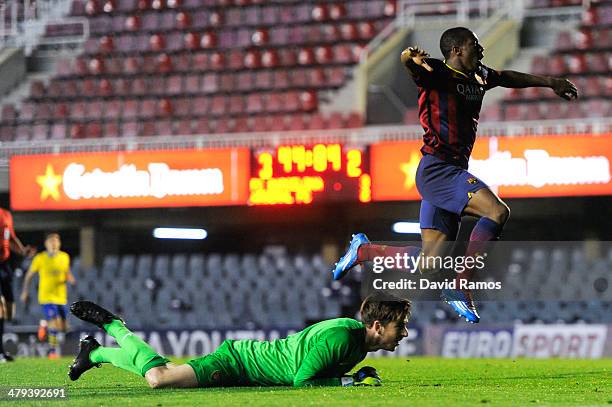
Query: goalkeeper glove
pixel 366 376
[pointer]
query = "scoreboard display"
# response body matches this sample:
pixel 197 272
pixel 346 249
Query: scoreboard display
pixel 306 174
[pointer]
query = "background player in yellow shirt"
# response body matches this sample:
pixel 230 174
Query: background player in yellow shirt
pixel 53 268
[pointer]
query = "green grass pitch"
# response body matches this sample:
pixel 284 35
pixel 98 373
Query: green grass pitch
pixel 406 382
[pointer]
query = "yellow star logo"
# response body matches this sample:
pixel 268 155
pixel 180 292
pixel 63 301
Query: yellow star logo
pixel 49 184
pixel 409 169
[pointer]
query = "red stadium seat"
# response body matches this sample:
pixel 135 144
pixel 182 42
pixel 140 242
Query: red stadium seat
pixel 148 129
pixel 241 125
pixel 164 128
pixel 184 128
pixel 218 105
pixel 323 55
pixel 42 111
pixel 164 63
pixel 199 61
pixel 217 61
pixel 577 64
pixel 201 106
pixel 599 62
pixel 174 85
pixel 335 121
pixel 353 120
pixel 183 20
pixel 202 126
pixel 165 107
pixel 297 122
pixel 111 130
pixel 317 122
pixel 7 133
pixel 93 130
pixel 77 131
pixel 591 86
pixel 584 39
pixel 88 87
pixel 130 108
pixel 343 54
pixel 281 80
pixel 77 111
pixel 309 101
pixel 539 65
pixel 58 131
pixel 564 40
pixel 223 126
pixel 157 42
pixel 147 108
pixel 139 86
pixel 595 108
pixel 9 114
pixel 255 103
pixel 306 56
pixel 317 78
pixel 411 116
pixel 367 30
pixel 23 132
pixel 337 11
pixel 26 113
pixel 274 103
pixel 349 31
pixel 60 111
pixel 534 112
pixel 208 40
pixel 37 89
pixel 132 23
pixel 278 123
pixel 292 102
pixel 319 12
pixel 259 124
pixel 390 9
pixel 514 112
pixel 557 65
pixel 263 80
pixel 226 82
pixel 129 129
pixel 236 104
pixel 40 131
pixel 105 87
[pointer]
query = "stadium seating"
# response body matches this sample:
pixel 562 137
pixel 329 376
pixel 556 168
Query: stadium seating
pixel 583 56
pixel 208 291
pixel 280 290
pixel 209 66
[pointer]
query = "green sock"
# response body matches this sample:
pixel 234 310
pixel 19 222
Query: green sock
pixel 117 356
pixel 136 355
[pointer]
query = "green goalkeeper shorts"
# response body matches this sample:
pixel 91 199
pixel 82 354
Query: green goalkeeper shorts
pixel 219 369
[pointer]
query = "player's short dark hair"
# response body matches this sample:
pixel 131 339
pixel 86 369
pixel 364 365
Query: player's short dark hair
pixel 385 308
pixel 454 37
pixel 51 234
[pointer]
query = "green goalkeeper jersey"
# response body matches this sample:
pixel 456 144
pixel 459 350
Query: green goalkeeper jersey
pixel 318 355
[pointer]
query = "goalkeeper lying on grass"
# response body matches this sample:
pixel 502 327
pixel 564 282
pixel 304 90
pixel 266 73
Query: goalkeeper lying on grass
pixel 320 355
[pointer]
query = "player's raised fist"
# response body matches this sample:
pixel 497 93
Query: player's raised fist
pixel 564 88
pixel 417 56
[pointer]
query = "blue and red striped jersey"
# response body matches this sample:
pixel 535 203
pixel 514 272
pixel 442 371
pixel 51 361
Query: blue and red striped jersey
pixel 449 108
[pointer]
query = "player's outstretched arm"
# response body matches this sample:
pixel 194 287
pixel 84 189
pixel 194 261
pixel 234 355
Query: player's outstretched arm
pixel 413 58
pixel 562 87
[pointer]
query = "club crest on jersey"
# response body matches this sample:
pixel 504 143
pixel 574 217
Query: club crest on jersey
pixel 472 180
pixel 470 91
